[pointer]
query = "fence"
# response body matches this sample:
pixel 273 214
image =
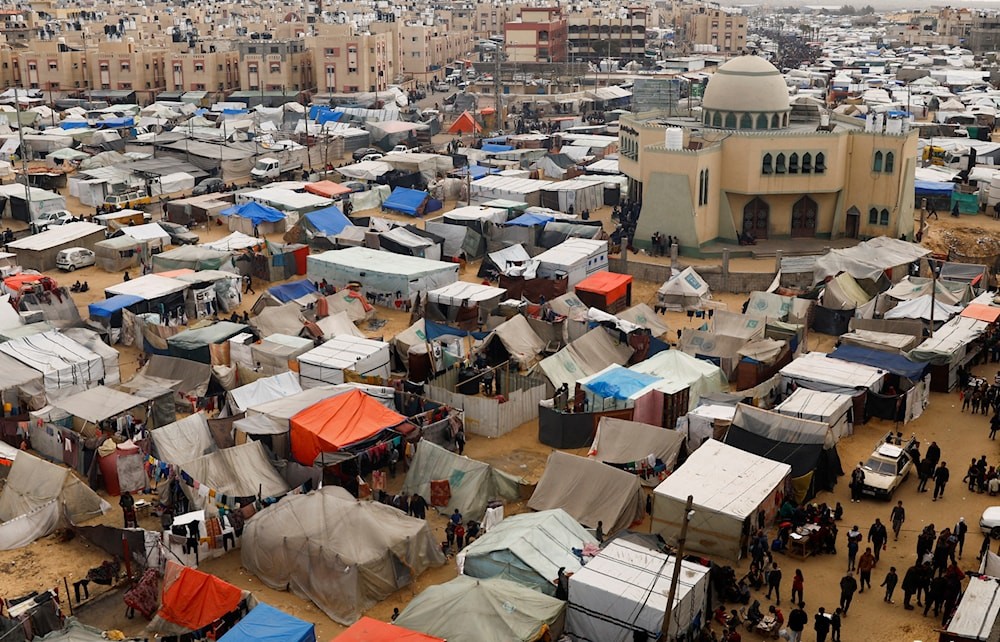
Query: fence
pixel 487 416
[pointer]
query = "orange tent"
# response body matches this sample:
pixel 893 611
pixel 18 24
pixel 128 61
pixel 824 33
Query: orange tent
pixel 368 630
pixel 194 599
pixel 602 289
pixel 329 189
pixel 981 312
pixel 464 124
pixel 338 422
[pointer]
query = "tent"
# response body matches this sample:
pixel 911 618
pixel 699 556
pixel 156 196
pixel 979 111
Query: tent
pixel 267 624
pixel 193 257
pixel 97 404
pixel 896 364
pixel 408 201
pixel 624 591
pixel 589 491
pixel 528 549
pixel 65 364
pixel 328 362
pixel 520 340
pixel 807 446
pixel 192 600
pixel 977 617
pixel 329 221
pixel 870 259
pixel 606 291
pixel 342 554
pixel 473 484
pixel 20 382
pixel 588 355
pixel 337 423
pixel 401 240
pixel 239 471
pixel 620 442
pixel 195 344
pixel 679 370
pixel 616 382
pixel 684 291
pixel 574 258
pixel 263 390
pixel 729 487
pixel 814 370
pixel 925 309
pixel 370 630
pixel 39 251
pixel 255 215
pixel 644 316
pixel 465 124
pixel 467 609
pixel 390 280
pixel 327 189
pixel 835 410
pixel 184 440
pixel 36 498
pixel 885 341
pixel 120 253
pixel 73 631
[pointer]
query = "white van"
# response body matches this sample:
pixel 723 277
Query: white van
pixel 75 257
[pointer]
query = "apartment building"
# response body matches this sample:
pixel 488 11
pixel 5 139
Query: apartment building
pixel 593 37
pixel 136 66
pixel 206 68
pixel 16 26
pixel 345 61
pixel 716 27
pixel 490 18
pixel 269 65
pixel 48 65
pixel 424 50
pixel 539 35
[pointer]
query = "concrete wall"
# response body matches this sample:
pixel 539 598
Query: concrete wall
pixel 735 282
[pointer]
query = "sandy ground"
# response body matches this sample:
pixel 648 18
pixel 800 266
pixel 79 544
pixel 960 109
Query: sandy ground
pixel 46 562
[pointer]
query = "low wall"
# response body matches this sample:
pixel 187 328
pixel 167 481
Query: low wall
pixel 486 416
pixel 735 282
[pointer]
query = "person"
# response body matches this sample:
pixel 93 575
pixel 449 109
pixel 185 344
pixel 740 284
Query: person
pixel 460 440
pixel 941 476
pixel 853 544
pixel 835 626
pixel 248 285
pixel 848 586
pixel 456 517
pixel 954 210
pixel 935 595
pixel 599 533
pixel 877 536
pixel 890 584
pixel 128 510
pixel 798 584
pixel 821 625
pixel 395 614
pixel 418 506
pixel 932 212
pixel 774 583
pixel 127 277
pixel 654 243
pixel 797 620
pixel 865 566
pixel 912 582
pixel 449 533
pixel 959 532
pixel 897 517
pixel 857 482
pixel 562 584
pixel 459 537
pixel 995 420
pixel 488 382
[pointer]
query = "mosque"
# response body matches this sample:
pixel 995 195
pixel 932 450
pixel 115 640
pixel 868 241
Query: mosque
pixel 755 163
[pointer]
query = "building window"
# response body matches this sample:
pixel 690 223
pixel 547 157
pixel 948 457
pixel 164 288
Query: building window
pixel 793 164
pixel 873 216
pixel 890 162
pixel 126 66
pixel 779 164
pixel 730 121
pixel 877 162
pixel 766 166
pixel 820 163
pixel 746 121
pixel 761 121
pixel 716 119
pixel 884 217
pixel 774 121
pixel 198 67
pixel 807 161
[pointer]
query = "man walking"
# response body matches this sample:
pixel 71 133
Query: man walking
pixel 961 528
pixel 797 620
pixel 853 544
pixel 877 537
pixel 911 585
pixel 848 586
pixel 857 482
pixel 821 625
pixel 865 566
pixel 897 517
pixel 774 583
pixel 941 476
pixel 890 584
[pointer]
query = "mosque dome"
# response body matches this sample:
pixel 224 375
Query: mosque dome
pixel 746 93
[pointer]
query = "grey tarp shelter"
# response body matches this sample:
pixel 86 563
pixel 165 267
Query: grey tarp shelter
pixel 619 441
pixel 184 440
pixel 193 344
pixel 239 471
pixel 39 251
pixel 20 382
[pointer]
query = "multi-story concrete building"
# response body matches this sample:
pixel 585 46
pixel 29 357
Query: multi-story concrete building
pixel 490 18
pixel 717 27
pixel 273 66
pixel 594 37
pixel 345 61
pixel 127 66
pixel 540 34
pixel 424 50
pixel 50 65
pixel 208 67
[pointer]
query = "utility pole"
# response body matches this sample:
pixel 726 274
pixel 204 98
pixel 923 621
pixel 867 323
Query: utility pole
pixel 24 153
pixel 496 87
pixel 675 578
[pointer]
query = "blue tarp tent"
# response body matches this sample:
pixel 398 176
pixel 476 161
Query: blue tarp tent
pixel 477 171
pixel 529 219
pixel 290 291
pixel 434 330
pixel 897 364
pixel 329 221
pixel 74 124
pixel 406 200
pixel 497 148
pixel 933 188
pixel 116 123
pixel 619 383
pixel 255 213
pixel 104 309
pixel 267 624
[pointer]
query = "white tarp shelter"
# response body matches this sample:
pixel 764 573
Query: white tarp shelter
pixel 835 410
pixel 184 440
pixel 326 364
pixel 684 291
pixel 389 280
pixel 816 371
pixel 263 390
pixel 976 617
pixel 729 487
pixel 66 366
pixel 869 259
pixel 680 370
pixel 575 258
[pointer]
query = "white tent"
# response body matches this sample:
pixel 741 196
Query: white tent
pixel 575 258
pixel 815 371
pixel 869 259
pixel 684 291
pixel 679 370
pixel 326 364
pixel 977 615
pixel 64 363
pixel 923 308
pixel 729 486
pixel 833 409
pixel 263 390
pixel 624 589
pixel 184 440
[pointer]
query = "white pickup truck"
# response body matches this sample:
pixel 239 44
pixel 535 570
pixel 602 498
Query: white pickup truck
pixel 270 168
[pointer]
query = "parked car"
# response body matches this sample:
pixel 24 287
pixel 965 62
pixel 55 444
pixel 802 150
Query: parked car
pixel 55 217
pixel 75 257
pixel 373 157
pixel 888 465
pixel 179 235
pixel 402 149
pixel 356 186
pixel 208 186
pixel 442 86
pixel 359 154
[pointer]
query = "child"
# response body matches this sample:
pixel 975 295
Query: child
pixel 890 584
pixel 835 626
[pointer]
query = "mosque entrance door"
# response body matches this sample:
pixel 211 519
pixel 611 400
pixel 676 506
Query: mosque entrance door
pixel 804 214
pixel 756 215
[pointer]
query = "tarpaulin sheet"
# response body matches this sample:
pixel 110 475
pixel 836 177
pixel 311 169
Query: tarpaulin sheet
pixel 327 189
pixel 338 422
pixel 267 624
pixel 104 309
pixel 196 599
pixel 184 440
pixel 895 363
pixel 405 200
pixel 290 291
pixel 529 219
pixel 616 382
pixel 329 221
pixel 981 312
pixel 255 212
pixel 370 630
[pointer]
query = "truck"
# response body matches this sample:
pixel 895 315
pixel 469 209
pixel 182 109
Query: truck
pixel 274 167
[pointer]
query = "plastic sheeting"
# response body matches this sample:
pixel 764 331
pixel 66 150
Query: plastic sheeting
pixel 184 440
pixel 586 356
pixel 339 422
pixel 342 554
pixel 240 471
pixel 619 441
pixel 369 630
pixel 835 410
pixel 816 371
pixel 678 371
pixel 264 390
pixel 64 363
pixel 895 363
pixel 520 340
pixel 868 259
pixel 267 624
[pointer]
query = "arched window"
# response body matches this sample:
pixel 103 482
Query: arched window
pixel 761 121
pixel 873 216
pixel 730 121
pixel 890 161
pixel 704 189
pixel 820 163
pixel 766 165
pixel 746 121
pixel 877 162
pixel 884 217
pixel 717 119
pixel 779 164
pixel 793 164
pixel 775 123
pixel 807 163
pixel 784 120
